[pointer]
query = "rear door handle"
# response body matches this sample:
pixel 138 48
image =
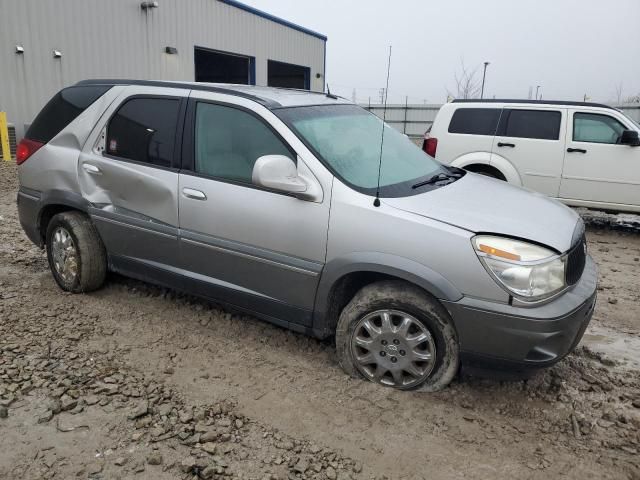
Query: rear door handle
pixel 501 144
pixel 578 150
pixel 192 193
pixel 92 169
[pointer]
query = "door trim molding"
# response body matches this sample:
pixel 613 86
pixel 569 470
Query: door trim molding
pixel 538 174
pixel 294 264
pixel 601 180
pixel 142 223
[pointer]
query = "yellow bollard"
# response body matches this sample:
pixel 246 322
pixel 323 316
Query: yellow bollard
pixel 4 137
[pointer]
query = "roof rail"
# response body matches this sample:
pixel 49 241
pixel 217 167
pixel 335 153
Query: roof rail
pixel 533 102
pixel 190 86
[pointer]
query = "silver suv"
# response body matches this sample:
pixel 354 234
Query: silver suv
pixel 272 201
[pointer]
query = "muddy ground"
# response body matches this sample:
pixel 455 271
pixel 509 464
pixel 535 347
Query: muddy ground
pixel 135 381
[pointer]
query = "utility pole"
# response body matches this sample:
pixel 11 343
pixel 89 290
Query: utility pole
pixel 484 74
pixel 406 108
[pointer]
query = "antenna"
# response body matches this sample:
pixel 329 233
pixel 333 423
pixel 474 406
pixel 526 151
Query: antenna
pixel 329 94
pixel 376 202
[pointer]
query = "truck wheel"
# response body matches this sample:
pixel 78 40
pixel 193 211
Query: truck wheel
pixel 395 334
pixel 76 255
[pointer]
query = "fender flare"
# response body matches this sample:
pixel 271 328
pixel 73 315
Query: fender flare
pixel 507 169
pixel 482 158
pixel 494 160
pixel 61 197
pixel 374 262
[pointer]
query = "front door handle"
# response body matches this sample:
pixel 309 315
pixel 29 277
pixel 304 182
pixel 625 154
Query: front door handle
pixel 501 144
pixel 578 150
pixel 92 169
pixel 192 193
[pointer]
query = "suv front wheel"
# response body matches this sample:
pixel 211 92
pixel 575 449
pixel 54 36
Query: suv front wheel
pixel 395 334
pixel 75 252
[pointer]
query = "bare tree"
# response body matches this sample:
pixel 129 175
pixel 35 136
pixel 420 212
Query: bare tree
pixel 619 93
pixel 467 83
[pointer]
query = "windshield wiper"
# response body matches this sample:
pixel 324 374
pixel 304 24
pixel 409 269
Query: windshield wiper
pixel 436 178
pixel 454 173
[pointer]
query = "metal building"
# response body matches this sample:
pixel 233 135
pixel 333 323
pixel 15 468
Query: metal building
pixel 46 45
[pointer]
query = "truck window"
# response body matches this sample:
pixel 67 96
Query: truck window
pixel 539 124
pixel 475 121
pixel 596 128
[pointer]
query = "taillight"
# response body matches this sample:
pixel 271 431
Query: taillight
pixel 430 146
pixel 26 148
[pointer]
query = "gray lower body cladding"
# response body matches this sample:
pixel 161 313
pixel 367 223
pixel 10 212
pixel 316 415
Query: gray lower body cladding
pixel 502 336
pixel 29 212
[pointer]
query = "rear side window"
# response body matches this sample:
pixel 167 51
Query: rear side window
pixel 540 124
pixel 475 121
pixel 144 130
pixel 62 109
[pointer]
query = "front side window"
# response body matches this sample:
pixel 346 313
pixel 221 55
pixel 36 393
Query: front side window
pixel 539 124
pixel 144 130
pixel 475 121
pixel 596 128
pixel 228 141
pixel 346 138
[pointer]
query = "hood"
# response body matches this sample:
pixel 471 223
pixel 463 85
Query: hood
pixel 485 205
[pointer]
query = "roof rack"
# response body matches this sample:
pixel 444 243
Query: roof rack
pixel 534 102
pixel 190 86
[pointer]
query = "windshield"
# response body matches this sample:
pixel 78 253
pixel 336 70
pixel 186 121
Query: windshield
pixel 347 139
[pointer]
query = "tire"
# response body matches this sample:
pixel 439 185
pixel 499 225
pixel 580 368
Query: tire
pixel 404 303
pixel 82 265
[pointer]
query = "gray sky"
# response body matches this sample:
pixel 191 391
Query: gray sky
pixel 569 47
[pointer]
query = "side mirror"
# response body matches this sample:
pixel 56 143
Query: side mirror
pixel 630 137
pixel 278 172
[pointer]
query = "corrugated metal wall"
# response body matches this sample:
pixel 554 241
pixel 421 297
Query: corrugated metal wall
pixel 411 119
pixel 117 39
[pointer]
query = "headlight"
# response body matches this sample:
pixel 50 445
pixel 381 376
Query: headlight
pixel 527 271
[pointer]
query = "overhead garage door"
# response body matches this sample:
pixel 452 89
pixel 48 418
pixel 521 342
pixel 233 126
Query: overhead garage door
pixel 288 75
pixel 222 67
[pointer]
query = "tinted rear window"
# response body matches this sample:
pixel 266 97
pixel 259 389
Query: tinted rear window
pixel 144 130
pixel 475 121
pixel 62 109
pixel 540 124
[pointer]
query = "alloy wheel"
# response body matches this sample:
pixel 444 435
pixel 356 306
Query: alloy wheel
pixel 64 255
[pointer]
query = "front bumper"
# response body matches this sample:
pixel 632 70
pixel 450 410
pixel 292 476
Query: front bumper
pixel 494 335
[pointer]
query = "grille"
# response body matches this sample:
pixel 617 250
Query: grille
pixel 576 259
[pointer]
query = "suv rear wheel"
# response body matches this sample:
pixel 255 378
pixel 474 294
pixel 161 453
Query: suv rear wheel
pixel 75 252
pixel 395 334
